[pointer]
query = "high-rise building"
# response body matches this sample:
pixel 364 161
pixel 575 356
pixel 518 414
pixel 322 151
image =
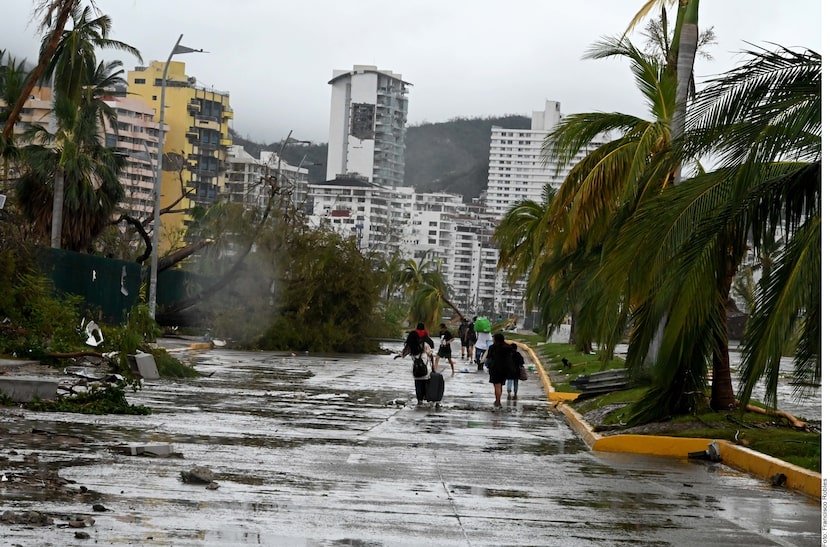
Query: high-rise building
pixel 368 125
pixel 136 137
pixel 519 170
pixel 244 178
pixel 519 166
pixel 195 145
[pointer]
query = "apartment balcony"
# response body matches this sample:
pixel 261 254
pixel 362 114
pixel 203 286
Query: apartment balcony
pixel 226 142
pixel 204 173
pixel 207 122
pixel 227 114
pixel 205 147
pixel 194 106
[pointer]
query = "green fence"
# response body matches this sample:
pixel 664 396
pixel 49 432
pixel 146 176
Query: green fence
pixel 109 287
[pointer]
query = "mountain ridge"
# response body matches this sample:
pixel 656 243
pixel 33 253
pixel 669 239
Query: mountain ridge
pixel 451 156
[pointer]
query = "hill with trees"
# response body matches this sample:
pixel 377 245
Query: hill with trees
pixel 450 156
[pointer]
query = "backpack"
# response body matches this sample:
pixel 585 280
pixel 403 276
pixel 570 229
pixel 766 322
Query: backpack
pixel 419 367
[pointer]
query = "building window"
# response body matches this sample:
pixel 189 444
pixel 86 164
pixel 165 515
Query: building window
pixel 363 121
pixel 140 81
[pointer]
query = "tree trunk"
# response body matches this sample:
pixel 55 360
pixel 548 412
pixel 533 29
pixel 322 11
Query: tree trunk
pixel 723 396
pixel 450 304
pixel 63 8
pixel 686 51
pixel 57 209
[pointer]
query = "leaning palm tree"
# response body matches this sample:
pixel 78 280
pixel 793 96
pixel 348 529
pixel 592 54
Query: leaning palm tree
pixel 763 120
pixel 521 237
pixel 520 234
pixel 424 284
pixel 603 190
pixel 74 57
pixel 54 16
pixel 761 123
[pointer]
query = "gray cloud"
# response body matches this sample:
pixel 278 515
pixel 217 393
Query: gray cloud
pixel 464 57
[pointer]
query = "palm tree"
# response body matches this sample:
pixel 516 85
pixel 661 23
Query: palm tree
pixel 680 56
pixel 763 119
pixel 56 14
pixel 520 234
pixel 74 58
pixel 88 170
pixel 520 237
pixel 424 284
pixel 12 77
pixel 85 173
pixel 762 123
pixel 601 192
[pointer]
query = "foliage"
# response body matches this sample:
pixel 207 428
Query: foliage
pixel 763 122
pixel 763 433
pixel 35 321
pixel 453 156
pixel 170 367
pixel 394 315
pixel 97 400
pixel 328 295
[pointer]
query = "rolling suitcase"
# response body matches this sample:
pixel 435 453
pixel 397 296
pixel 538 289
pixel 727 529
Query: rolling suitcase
pixel 435 387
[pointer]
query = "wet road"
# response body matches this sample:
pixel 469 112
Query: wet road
pixel 326 451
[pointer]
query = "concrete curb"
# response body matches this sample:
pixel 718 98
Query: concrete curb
pixel 738 457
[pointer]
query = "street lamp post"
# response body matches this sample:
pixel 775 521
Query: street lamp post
pixel 154 263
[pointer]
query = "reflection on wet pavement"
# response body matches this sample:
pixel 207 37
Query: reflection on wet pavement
pixel 331 450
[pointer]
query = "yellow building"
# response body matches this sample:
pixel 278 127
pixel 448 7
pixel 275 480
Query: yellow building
pixel 195 145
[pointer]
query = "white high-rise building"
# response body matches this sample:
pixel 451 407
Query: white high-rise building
pixel 519 167
pixel 368 125
pixel 244 178
pixel 519 170
pixel 385 217
pixel 137 138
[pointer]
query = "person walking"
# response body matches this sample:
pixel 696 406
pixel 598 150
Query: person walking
pixel 444 347
pixel 517 362
pixel 462 337
pixel 469 340
pixel 483 341
pixel 501 360
pixel 417 346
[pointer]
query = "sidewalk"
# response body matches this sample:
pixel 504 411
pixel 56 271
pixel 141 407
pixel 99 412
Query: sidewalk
pixel 757 464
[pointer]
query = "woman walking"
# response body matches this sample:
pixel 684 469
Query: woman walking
pixel 516 364
pixel 500 356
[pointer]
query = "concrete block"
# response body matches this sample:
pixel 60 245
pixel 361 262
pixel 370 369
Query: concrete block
pixel 24 389
pixel 146 449
pixel 144 366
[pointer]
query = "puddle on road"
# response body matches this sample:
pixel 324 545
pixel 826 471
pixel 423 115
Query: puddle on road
pixel 487 492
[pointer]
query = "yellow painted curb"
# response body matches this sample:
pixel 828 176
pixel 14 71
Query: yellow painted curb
pixel 761 465
pixel 201 345
pixel 553 395
pixel 654 445
pixel 578 424
pixel 738 457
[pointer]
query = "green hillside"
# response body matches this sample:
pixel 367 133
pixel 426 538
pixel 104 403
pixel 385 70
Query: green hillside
pixel 453 156
pixel 449 156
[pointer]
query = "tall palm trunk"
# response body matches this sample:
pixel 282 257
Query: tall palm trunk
pixel 57 209
pixel 683 51
pixel 686 51
pixel 63 10
pixel 723 396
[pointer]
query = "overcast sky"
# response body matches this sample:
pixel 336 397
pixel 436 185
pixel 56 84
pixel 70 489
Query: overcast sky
pixel 464 58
